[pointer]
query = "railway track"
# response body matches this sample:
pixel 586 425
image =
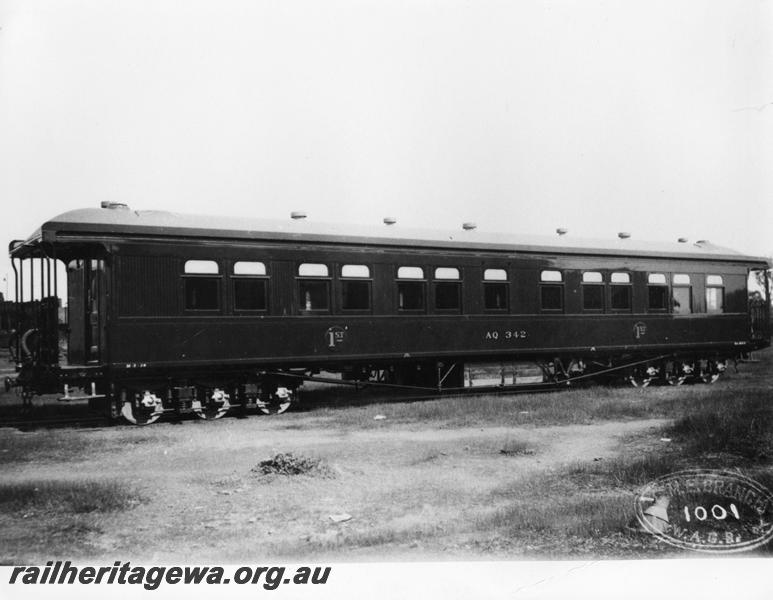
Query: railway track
pixel 24 417
pixel 349 393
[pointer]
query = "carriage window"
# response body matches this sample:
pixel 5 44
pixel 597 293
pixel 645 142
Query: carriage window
pixel 356 295
pixel 620 297
pixel 312 270
pixel 355 271
pixel 446 273
pixel 495 290
pixel 682 297
pixel 201 292
pixel 410 294
pixel 552 297
pixel 681 279
pixel 495 275
pixel 592 277
pixel 620 291
pixel 593 297
pixel 592 291
pixel 658 297
pixel 715 294
pixel 714 280
pixel 250 286
pixel 715 299
pixel 681 294
pixel 410 273
pixel 448 293
pixel 201 267
pixel 657 292
pixel 620 278
pixel 249 268
pixel 355 287
pixel 448 296
pixel 250 294
pixel 656 279
pixel 495 296
pixel 314 294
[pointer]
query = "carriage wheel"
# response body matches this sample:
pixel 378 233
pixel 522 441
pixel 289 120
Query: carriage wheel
pixel 277 402
pixel 142 409
pixel 642 376
pixel 638 381
pixel 672 373
pixel 211 403
pixel 672 379
pixel 711 372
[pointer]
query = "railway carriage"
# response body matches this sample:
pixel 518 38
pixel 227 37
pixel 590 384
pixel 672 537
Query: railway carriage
pixel 169 312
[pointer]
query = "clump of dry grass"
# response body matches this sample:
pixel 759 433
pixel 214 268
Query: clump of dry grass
pixel 290 464
pixel 516 448
pixel 579 515
pixel 626 471
pixel 61 497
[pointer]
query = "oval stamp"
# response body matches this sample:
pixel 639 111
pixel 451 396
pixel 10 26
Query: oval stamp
pixel 707 510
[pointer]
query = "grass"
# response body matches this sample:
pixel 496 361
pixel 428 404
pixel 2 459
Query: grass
pixel 623 472
pixel 567 407
pixel 742 425
pixel 72 445
pixel 60 496
pixel 572 516
pixel 554 408
pixel 64 517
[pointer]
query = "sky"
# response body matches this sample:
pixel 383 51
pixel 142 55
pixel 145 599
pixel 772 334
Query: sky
pixel 652 117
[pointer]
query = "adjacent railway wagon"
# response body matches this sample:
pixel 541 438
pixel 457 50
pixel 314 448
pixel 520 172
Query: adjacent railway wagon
pixel 169 312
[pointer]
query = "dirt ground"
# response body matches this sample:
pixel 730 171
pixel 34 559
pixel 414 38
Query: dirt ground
pixel 395 490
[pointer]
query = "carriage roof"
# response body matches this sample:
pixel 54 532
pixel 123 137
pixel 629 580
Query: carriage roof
pixel 122 223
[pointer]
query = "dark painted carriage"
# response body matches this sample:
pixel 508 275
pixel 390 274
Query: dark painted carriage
pixel 170 312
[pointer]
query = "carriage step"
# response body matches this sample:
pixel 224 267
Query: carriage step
pixel 92 396
pixel 71 398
